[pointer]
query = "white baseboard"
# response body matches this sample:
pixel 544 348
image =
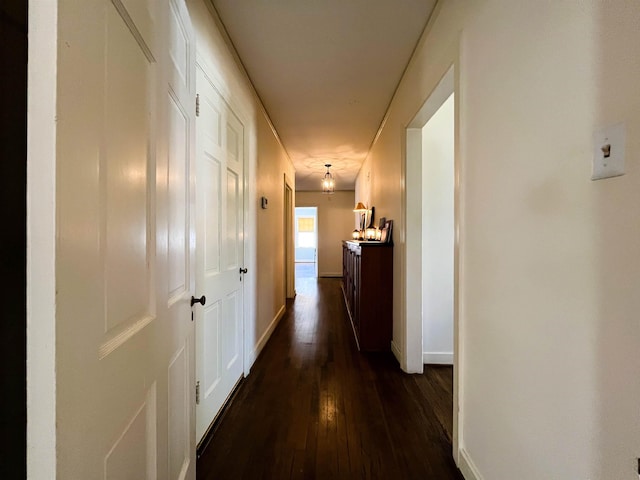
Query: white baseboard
pixel 396 352
pixel 330 274
pixel 438 358
pixel 467 467
pixel 266 336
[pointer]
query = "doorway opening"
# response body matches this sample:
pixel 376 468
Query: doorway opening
pixel 432 220
pixel 306 244
pixel 438 236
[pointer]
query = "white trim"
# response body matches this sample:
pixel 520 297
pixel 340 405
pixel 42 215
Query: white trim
pixel 458 364
pixel 467 467
pixel 289 239
pixel 41 240
pixel 266 336
pixel 122 334
pixel 250 248
pixel 412 277
pixel 437 358
pixel 438 96
pixel 412 171
pixel 396 351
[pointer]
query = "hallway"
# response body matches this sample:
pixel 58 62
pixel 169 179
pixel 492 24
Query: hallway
pixel 314 407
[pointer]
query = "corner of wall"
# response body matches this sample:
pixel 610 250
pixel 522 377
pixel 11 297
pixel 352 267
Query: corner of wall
pixel 467 467
pixel 437 358
pixel 395 349
pixel 260 344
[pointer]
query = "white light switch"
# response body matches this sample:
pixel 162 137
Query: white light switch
pixel 608 152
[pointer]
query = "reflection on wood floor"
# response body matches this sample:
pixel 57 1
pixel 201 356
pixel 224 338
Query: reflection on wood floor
pixel 315 407
pixel 305 270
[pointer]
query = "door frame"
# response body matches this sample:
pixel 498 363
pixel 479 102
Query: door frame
pixel 314 215
pixel 412 361
pixel 249 247
pixel 41 239
pixel 289 232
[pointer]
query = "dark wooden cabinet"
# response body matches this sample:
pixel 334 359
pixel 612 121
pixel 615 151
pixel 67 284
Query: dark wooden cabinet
pixel 367 285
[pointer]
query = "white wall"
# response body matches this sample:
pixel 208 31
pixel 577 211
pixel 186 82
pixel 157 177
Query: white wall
pixel 273 166
pixel 335 223
pixel 269 164
pixel 560 281
pixel 437 235
pixel 549 271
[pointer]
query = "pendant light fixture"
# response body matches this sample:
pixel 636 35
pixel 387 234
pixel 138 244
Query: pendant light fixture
pixel 328 185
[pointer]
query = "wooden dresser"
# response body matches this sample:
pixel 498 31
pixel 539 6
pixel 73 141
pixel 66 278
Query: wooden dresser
pixel 367 285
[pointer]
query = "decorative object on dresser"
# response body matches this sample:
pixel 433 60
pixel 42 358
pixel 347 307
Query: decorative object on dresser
pixel 371 233
pixel 381 224
pixel 361 210
pixel 365 223
pixel 389 227
pixel 385 232
pixel 367 285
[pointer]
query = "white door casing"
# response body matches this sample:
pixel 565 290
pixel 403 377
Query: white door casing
pixel 289 261
pixel 179 178
pixel 412 359
pixel 219 251
pixel 124 244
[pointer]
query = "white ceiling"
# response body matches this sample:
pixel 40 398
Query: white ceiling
pixel 326 71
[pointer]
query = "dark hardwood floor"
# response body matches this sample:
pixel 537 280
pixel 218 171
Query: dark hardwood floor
pixel 315 407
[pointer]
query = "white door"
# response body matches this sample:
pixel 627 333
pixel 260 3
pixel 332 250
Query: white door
pixel 179 210
pixel 124 256
pixel 219 252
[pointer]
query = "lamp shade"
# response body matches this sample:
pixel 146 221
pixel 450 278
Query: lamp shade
pixel 360 207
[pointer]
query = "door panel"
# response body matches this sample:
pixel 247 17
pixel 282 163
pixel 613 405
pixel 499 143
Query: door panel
pixel 211 176
pixel 124 172
pixel 125 456
pixel 233 222
pixel 210 336
pixel 219 252
pixel 125 248
pixel 181 73
pixel 133 455
pixel 179 386
pixel 230 348
pixel 178 202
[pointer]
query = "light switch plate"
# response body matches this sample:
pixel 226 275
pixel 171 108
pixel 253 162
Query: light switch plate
pixel 608 152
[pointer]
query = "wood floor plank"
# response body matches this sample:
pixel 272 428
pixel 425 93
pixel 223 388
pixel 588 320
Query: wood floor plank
pixel 315 407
